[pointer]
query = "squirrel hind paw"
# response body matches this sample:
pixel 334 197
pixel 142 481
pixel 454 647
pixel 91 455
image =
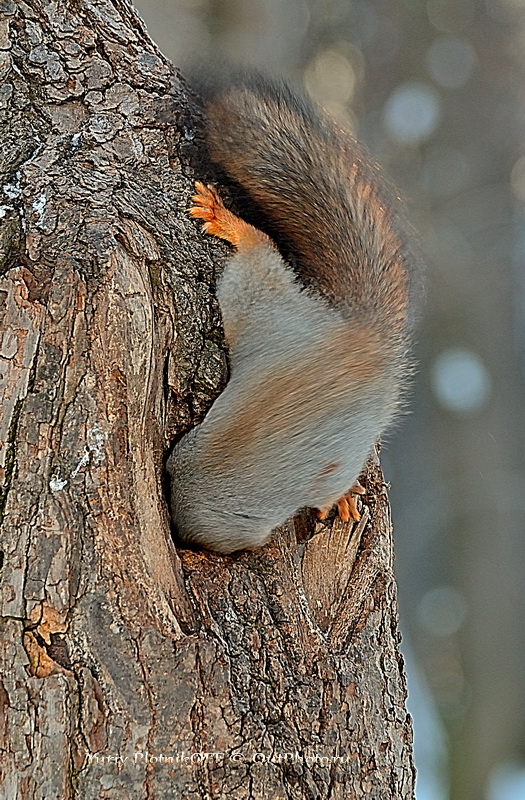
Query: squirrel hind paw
pixel 207 204
pixel 346 505
pixel 220 222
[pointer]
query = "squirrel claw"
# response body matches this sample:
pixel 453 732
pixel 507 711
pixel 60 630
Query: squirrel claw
pixel 218 221
pixel 346 505
pixel 207 203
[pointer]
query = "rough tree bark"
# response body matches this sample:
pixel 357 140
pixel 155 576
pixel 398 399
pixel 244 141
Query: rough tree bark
pixel 131 668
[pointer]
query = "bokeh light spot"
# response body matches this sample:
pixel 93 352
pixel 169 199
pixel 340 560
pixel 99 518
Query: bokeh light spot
pixel 442 611
pixel 451 60
pixel 412 112
pixel 460 380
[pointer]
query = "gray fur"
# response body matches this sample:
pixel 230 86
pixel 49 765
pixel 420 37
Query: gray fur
pixel 231 495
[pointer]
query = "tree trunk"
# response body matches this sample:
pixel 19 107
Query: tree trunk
pixel 132 668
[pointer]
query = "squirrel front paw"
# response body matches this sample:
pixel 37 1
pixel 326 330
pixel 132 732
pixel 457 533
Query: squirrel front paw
pixel 346 505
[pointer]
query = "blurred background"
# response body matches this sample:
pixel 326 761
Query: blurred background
pixel 437 91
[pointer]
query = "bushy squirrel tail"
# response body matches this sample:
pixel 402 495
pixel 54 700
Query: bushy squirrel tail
pixel 315 191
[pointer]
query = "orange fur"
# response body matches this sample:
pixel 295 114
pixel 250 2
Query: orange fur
pixel 219 221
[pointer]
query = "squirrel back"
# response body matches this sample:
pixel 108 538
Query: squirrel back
pixel 317 193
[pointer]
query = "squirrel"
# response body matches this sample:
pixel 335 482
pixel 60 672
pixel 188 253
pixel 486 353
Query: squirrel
pixel 317 302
